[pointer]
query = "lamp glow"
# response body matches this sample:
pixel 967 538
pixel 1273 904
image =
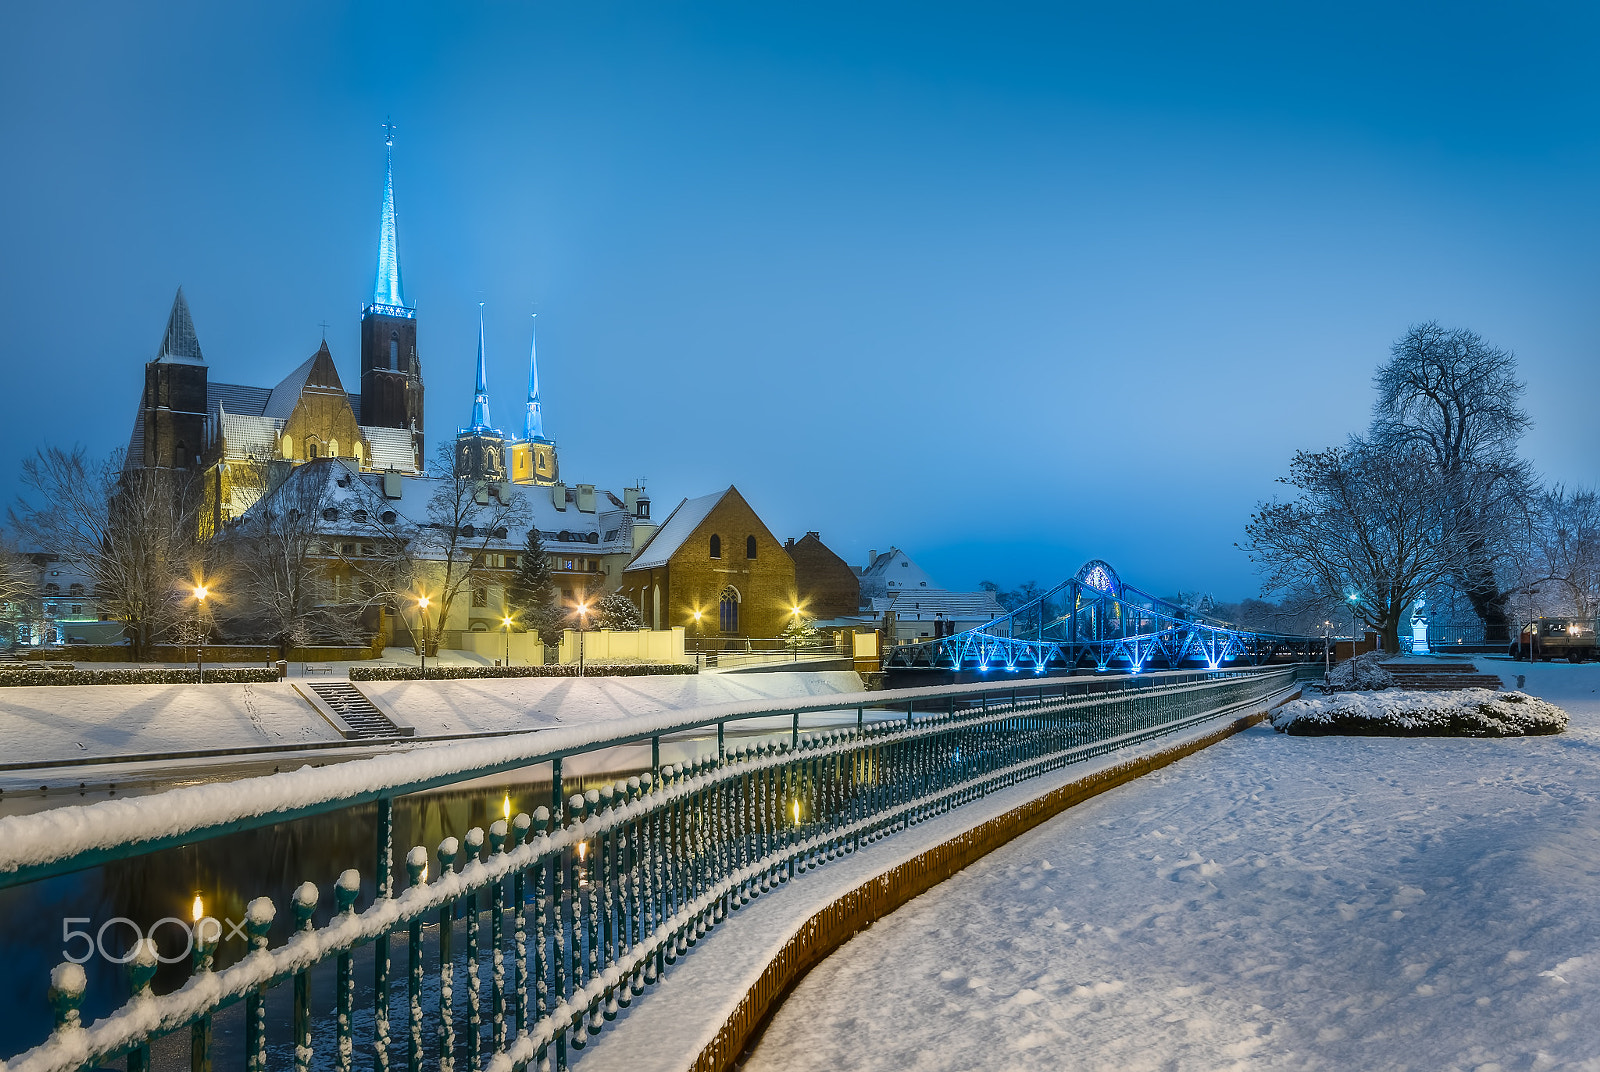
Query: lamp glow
pixel 200 592
pixel 199 908
pixel 797 813
pixel 583 850
pixel 507 807
pixel 422 601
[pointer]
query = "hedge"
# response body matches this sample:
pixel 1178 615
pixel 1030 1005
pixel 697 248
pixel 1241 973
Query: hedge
pixel 453 673
pixel 220 675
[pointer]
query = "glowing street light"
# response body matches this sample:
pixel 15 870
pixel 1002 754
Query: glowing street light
pixel 200 593
pixel 422 646
pixel 583 616
pixel 697 639
pixel 505 623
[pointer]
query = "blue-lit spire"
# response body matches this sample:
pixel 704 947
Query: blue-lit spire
pixel 534 428
pixel 480 395
pixel 386 291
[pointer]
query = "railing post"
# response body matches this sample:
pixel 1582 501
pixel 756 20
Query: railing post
pixel 345 892
pixel 258 916
pixel 519 899
pixel 722 748
pixel 305 902
pixel 474 982
pixel 205 948
pixel 555 790
pixel 446 854
pixel 383 879
pixel 497 962
pixel 141 970
pixel 794 732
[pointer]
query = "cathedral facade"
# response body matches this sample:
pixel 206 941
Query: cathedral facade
pixel 242 438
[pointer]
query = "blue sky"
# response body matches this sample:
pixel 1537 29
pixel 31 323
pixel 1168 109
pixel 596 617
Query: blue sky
pixel 1010 286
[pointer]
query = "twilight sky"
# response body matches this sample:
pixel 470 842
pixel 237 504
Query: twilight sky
pixel 1010 286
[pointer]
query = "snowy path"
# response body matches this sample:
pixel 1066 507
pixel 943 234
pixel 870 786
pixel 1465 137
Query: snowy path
pixel 1272 902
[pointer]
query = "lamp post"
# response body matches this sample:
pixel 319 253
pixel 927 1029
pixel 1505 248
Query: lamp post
pixel 697 640
pixel 1354 599
pixel 794 623
pixel 200 593
pixel 422 644
pixel 1327 648
pixel 505 623
pixel 583 614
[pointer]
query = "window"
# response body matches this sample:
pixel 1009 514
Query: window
pixel 729 616
pixel 358 454
pixel 311 450
pixel 331 513
pixel 52 589
pixel 77 608
pixel 716 546
pixel 359 517
pixel 75 589
pixel 387 517
pixel 394 350
pixel 480 593
pixel 333 448
pixel 288 447
pixel 749 547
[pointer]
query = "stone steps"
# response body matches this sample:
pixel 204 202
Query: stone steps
pixel 1440 677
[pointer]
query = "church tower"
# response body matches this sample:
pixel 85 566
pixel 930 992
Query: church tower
pixel 391 374
pixel 480 448
pixel 173 409
pixel 533 457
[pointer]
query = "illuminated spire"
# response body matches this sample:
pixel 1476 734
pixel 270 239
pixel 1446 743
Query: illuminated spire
pixel 534 429
pixel 386 291
pixel 480 396
pixel 180 343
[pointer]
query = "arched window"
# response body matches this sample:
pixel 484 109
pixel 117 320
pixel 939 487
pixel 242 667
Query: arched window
pixel 749 547
pixel 288 447
pixel 333 448
pixel 729 617
pixel 52 589
pixel 716 546
pixel 75 590
pixel 312 451
pixel 358 454
pixel 394 350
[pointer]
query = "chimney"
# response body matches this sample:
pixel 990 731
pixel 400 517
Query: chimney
pixel 586 498
pixel 872 556
pixel 630 497
pixel 558 495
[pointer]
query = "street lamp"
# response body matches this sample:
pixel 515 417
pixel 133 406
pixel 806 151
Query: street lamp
pixel 1353 598
pixel 697 640
pixel 505 622
pixel 422 646
pixel 583 612
pixel 794 621
pixel 200 593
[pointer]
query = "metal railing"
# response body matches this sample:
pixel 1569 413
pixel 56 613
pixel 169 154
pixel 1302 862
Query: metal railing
pixel 523 942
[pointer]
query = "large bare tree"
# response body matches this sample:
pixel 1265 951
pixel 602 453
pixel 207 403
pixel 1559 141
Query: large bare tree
pixel 467 519
pixel 131 529
pixel 1451 400
pixel 1369 522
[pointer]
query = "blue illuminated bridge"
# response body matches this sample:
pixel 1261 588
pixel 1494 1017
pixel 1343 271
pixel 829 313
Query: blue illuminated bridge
pixel 1096 622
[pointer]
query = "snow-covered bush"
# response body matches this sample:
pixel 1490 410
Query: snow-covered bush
pixel 215 675
pixel 453 673
pixel 1415 713
pixel 1364 673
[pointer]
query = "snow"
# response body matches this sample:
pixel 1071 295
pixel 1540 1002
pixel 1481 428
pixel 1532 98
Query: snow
pixel 1362 672
pixel 1272 902
pixel 1462 713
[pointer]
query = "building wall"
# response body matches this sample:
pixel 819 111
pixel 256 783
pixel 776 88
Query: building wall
pixel 642 645
pixel 175 414
pixel 828 587
pixel 326 417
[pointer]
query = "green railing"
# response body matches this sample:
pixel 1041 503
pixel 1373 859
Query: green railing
pixel 523 942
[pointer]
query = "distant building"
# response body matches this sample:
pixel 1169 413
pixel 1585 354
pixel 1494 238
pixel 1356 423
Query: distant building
pixel 891 573
pixel 927 613
pixel 715 568
pixel 828 588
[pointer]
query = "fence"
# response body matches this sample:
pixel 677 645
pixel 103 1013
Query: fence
pixel 551 923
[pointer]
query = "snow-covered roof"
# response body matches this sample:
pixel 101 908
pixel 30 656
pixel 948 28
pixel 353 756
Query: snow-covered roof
pixel 924 603
pixel 391 448
pixel 246 435
pixel 893 571
pixel 678 527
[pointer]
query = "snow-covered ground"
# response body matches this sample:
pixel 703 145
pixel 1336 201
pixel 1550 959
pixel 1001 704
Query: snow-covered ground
pixel 1272 902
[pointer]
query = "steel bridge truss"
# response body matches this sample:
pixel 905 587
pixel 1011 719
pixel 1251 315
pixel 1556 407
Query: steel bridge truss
pixel 1094 621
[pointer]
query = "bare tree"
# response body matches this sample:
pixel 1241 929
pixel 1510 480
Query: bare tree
pixel 1565 546
pixel 1369 522
pixel 132 530
pixel 466 518
pixel 1453 401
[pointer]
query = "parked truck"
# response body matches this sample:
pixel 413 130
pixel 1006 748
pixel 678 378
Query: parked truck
pixel 1543 639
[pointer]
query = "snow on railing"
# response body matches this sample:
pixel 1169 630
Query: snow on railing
pixel 602 898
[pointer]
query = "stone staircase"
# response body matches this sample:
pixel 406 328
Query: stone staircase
pixel 1440 676
pixel 356 711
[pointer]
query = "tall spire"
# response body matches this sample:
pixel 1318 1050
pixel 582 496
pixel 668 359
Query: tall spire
pixel 386 291
pixel 180 343
pixel 480 396
pixel 534 428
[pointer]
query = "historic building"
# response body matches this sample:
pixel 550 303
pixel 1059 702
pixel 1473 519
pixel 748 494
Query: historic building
pixel 828 587
pixel 715 568
pixel 245 438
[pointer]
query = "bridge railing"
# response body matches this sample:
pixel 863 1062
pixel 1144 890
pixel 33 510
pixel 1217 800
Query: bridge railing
pixel 521 943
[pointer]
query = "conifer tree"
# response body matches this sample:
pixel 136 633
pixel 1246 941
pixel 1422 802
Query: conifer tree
pixel 532 591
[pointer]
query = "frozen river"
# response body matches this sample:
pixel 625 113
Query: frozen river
pixel 1272 902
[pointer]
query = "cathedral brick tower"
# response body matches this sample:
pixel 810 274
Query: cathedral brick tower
pixel 391 374
pixel 173 408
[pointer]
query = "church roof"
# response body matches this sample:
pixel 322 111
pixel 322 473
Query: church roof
pixel 179 342
pixel 247 434
pixel 676 529
pixel 386 289
pixel 316 371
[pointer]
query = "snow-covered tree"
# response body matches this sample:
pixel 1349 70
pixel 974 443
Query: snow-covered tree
pixel 617 612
